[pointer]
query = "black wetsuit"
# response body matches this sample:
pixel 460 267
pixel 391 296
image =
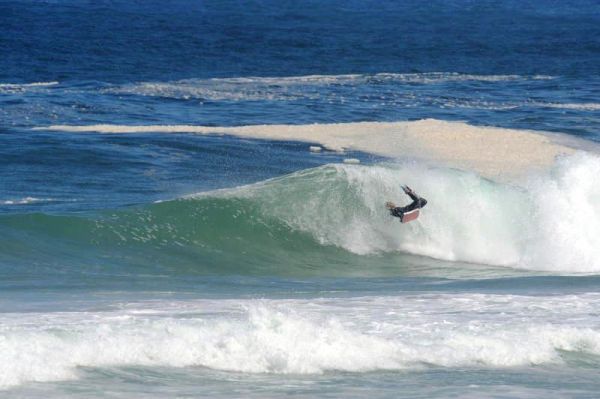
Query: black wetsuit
pixel 417 203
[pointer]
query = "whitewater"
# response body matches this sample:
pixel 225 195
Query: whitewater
pixel 298 337
pixel 491 152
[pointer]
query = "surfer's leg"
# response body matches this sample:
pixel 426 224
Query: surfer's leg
pixel 397 212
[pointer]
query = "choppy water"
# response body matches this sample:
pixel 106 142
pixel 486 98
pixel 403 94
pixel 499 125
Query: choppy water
pixel 169 264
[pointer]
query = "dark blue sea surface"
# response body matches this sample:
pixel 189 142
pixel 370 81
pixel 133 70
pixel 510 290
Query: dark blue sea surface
pixel 125 41
pixel 165 264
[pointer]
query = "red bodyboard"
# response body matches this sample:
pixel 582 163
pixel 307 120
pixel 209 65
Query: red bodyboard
pixel 410 216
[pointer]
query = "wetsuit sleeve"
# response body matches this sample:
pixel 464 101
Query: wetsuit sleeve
pixel 413 196
pixel 418 202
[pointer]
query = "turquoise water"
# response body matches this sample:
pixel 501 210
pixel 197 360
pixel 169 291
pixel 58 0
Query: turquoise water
pixel 184 265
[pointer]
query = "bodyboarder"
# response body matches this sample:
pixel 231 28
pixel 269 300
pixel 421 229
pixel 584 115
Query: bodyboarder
pixel 410 211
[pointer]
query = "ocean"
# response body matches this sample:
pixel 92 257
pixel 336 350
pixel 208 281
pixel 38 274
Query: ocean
pixel 192 199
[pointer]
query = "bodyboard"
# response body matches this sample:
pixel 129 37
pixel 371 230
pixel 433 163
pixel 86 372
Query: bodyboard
pixel 410 216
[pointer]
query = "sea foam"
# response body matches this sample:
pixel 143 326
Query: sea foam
pixel 493 152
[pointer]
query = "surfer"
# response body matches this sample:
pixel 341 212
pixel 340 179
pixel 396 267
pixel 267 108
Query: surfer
pixel 412 208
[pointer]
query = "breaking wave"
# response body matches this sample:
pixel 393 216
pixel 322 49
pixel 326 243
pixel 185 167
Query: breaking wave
pixel 296 336
pixel 314 218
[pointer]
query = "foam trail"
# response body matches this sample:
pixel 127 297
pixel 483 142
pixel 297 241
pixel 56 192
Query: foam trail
pixel 493 152
pixel 549 222
pixel 298 336
pixel 295 87
pixel 24 85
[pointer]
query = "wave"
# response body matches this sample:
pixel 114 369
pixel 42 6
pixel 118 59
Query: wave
pixel 301 336
pixel 294 87
pixel 326 219
pixel 551 223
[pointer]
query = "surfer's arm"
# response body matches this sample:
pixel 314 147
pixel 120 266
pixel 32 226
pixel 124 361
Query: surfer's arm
pixel 418 202
pixel 411 193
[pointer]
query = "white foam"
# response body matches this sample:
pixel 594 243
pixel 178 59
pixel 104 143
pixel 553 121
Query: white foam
pixel 302 336
pixel 565 216
pixel 493 152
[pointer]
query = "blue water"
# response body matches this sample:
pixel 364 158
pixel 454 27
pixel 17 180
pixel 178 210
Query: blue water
pixel 178 264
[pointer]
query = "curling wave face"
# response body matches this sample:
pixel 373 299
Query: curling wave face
pixel 323 219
